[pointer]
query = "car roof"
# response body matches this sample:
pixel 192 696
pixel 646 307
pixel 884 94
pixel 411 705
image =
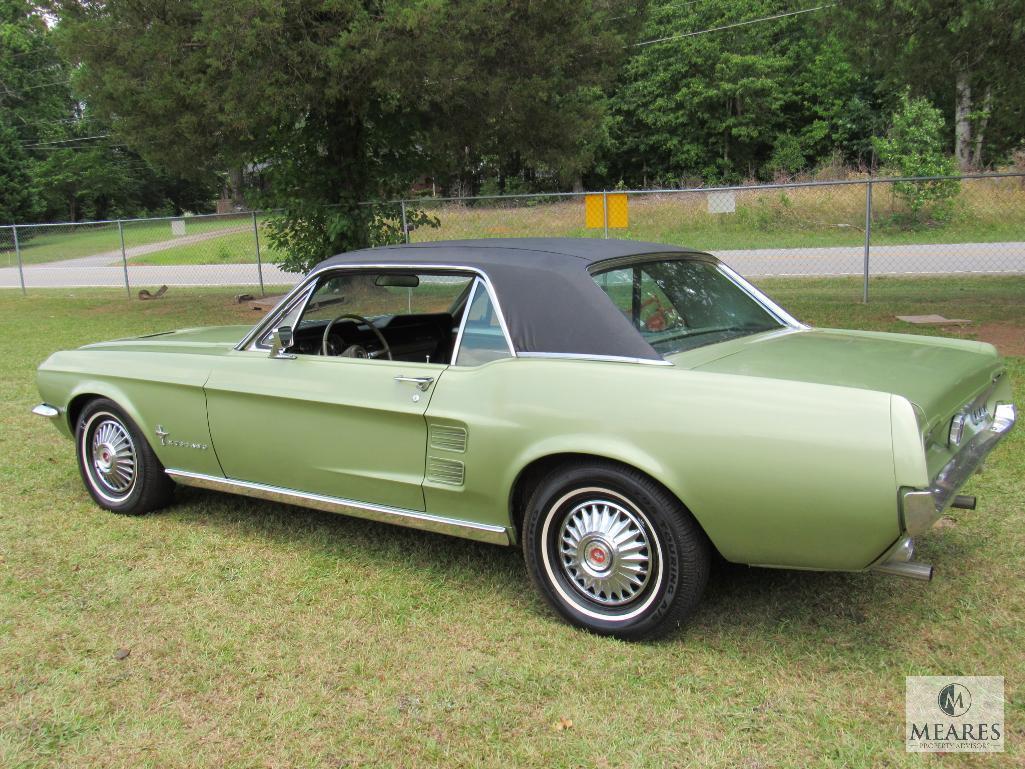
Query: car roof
pixel 550 302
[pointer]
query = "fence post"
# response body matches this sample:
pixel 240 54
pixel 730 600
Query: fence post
pixel 17 251
pixel 605 211
pixel 868 236
pixel 259 261
pixel 124 257
pixel 405 226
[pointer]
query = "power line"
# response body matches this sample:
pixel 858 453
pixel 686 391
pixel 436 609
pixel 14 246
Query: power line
pixel 68 141
pixel 43 85
pixel 77 147
pixel 731 26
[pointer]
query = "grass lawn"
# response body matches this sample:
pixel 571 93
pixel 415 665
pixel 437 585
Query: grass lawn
pixel 810 217
pixel 51 244
pixel 266 635
pixel 234 248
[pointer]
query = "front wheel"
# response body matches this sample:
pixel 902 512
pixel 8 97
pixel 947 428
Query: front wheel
pixel 614 552
pixel 120 470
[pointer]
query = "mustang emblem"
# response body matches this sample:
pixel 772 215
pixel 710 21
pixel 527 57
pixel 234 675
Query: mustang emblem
pixel 165 441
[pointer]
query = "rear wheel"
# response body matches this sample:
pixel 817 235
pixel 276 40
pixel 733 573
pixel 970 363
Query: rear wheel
pixel 120 470
pixel 614 552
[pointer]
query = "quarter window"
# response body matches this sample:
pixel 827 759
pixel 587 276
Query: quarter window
pixel 483 339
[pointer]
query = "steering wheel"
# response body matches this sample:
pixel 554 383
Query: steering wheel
pixel 361 319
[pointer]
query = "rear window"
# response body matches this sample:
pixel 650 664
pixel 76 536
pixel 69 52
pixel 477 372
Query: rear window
pixel 681 304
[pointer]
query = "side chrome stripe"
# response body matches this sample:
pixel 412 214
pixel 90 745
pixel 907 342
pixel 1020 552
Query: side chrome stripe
pixel 481 532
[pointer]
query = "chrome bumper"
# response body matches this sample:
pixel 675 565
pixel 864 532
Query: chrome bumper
pixel 46 410
pixel 921 508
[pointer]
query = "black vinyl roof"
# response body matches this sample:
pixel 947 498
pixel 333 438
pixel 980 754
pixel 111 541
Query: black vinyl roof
pixel 544 286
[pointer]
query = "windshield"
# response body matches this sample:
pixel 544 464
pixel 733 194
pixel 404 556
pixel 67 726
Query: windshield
pixel 680 304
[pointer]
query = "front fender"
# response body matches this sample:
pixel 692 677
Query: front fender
pixel 152 389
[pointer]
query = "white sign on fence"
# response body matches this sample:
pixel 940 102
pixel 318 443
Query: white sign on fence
pixel 177 227
pixel 722 202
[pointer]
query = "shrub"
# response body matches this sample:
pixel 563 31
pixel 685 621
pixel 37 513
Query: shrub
pixel 914 147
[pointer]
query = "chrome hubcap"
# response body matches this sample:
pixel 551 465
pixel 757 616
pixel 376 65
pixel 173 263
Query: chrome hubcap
pixel 605 552
pixel 113 456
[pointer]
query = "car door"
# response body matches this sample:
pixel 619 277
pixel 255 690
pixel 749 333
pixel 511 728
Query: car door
pixel 341 427
pixel 344 427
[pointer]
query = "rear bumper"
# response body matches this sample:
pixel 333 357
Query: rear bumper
pixel 921 508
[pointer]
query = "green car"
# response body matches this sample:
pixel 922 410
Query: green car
pixel 622 410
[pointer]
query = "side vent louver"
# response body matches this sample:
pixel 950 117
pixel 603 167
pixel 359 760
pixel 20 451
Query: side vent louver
pixel 448 438
pixel 448 471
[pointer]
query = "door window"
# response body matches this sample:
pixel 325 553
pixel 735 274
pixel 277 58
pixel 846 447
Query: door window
pixel 407 316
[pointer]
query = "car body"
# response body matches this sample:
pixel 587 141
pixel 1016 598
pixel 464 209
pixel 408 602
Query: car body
pixel 695 414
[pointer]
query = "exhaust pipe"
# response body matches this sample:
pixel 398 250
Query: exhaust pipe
pixel 963 502
pixel 910 569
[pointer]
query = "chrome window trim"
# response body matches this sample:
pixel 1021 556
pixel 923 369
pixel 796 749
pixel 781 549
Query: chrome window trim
pixel 463 320
pixel 481 532
pixel 604 358
pixel 782 315
pixel 249 342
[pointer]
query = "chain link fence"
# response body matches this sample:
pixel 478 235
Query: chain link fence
pixel 860 228
pixel 228 250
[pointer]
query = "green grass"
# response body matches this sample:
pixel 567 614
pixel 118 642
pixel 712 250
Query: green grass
pixel 234 248
pixel 51 244
pixel 985 211
pixel 265 635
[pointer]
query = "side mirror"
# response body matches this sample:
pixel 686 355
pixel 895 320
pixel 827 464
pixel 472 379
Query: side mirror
pixel 281 340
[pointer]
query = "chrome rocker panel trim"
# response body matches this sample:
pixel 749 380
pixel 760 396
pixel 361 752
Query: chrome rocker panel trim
pixel 922 508
pixel 46 410
pixel 480 532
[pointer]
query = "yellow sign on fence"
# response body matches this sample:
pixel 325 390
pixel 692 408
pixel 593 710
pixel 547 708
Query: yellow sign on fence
pixel 619 211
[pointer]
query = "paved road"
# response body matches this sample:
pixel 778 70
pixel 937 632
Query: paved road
pixel 937 259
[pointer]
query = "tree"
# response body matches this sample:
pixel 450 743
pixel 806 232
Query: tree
pixel 964 54
pixel 914 147
pixel 748 101
pixel 344 101
pixel 17 195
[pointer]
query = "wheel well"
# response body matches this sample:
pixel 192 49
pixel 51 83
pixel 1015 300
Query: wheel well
pixel 531 475
pixel 75 408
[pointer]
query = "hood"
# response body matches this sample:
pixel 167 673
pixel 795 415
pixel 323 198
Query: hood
pixel 210 339
pixel 937 374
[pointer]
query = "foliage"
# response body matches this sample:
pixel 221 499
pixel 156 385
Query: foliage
pixel 346 101
pixel 914 147
pixel 738 103
pixel 17 201
pixel 56 160
pixel 307 233
pixel 926 44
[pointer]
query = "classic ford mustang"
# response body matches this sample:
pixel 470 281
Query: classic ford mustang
pixel 622 410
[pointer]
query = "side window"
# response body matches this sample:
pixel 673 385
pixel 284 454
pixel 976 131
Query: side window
pixel 483 339
pixel 392 314
pixel 640 297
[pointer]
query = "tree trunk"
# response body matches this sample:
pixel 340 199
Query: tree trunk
pixel 235 183
pixel 963 122
pixel 980 128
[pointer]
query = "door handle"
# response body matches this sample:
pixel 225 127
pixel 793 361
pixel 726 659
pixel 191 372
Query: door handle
pixel 421 382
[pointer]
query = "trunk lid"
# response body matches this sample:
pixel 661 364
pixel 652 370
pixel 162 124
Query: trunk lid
pixel 937 374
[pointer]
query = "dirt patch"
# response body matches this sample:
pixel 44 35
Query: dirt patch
pixel 1008 338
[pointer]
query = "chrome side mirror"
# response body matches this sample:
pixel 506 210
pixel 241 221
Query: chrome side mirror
pixel 281 340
